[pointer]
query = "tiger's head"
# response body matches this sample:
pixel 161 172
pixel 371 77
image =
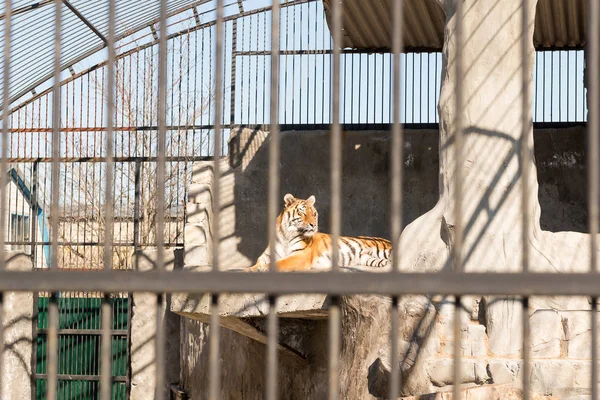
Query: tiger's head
pixel 300 216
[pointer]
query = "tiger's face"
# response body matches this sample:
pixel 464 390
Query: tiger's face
pixel 300 215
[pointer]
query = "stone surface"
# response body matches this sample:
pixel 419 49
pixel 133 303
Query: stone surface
pixel 578 333
pixel 546 334
pixel 552 377
pixel 504 325
pixel 18 334
pixel 474 342
pixel 365 344
pixel 503 371
pixel 143 331
pixel 492 116
pixel 441 371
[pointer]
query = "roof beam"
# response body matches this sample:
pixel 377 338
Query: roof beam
pixel 27 8
pixel 85 21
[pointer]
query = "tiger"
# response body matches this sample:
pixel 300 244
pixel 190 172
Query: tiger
pixel 301 247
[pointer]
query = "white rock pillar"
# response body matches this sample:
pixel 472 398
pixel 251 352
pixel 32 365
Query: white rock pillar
pixel 18 335
pixel 491 115
pixel 143 331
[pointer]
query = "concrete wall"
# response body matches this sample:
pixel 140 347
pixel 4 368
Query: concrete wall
pixel 491 347
pixel 304 167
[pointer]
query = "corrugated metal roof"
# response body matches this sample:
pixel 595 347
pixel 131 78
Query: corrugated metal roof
pixel 32 36
pixel 367 24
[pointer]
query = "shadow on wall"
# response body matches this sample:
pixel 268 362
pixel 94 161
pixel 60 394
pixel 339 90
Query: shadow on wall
pixel 305 171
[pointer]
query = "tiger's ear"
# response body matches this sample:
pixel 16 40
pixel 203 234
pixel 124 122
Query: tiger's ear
pixel 289 199
pixel 311 200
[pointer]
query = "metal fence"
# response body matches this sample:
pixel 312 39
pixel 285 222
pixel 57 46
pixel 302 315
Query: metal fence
pixel 304 100
pixel 66 158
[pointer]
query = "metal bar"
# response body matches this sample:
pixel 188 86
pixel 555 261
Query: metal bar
pixel 52 349
pixel 95 332
pixel 51 387
pixel 395 377
pixel 397 177
pixel 160 189
pixel 274 177
pixel 334 283
pixel 594 321
pixel 106 309
pixel 526 121
pixel 334 348
pixel 336 204
pixel 23 9
pixel 132 159
pixel 89 24
pixel 214 371
pixel 69 377
pixel 457 182
pixel 594 168
pixel 106 349
pixel 3 169
pixel 214 364
pixel 122 244
pixel 233 73
pixel 272 350
pixel 265 127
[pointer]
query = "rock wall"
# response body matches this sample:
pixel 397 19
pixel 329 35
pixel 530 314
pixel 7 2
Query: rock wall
pixel 559 155
pixel 491 335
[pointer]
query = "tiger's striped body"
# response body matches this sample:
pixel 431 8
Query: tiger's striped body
pixel 300 247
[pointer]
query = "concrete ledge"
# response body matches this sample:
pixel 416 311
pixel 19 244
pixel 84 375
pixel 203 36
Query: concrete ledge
pixel 252 305
pixel 246 314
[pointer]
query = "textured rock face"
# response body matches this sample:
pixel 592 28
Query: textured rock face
pixel 143 332
pixel 18 334
pixel 491 334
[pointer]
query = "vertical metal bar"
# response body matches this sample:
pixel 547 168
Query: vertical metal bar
pixel 105 363
pixel 232 73
pixel 594 348
pixel 160 192
pixel 458 164
pixel 525 168
pixel 274 159
pixel 397 177
pixel 3 164
pixel 214 367
pixel 334 348
pixel 336 178
pixel 52 383
pixel 594 166
pixel 272 339
pixel 214 373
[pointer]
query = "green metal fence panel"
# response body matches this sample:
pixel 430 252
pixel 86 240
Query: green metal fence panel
pixel 79 347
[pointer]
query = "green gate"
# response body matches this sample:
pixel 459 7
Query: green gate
pixel 79 340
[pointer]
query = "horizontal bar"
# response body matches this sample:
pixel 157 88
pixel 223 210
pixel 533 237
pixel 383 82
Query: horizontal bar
pixel 67 377
pixel 27 8
pixel 117 244
pixel 116 128
pixel 91 332
pixel 332 283
pixel 103 159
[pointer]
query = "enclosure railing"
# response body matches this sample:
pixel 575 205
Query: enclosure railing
pixel 335 283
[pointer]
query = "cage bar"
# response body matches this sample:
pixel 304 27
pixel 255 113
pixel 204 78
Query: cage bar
pixel 336 204
pixel 594 168
pixel 106 309
pixel 273 202
pixel 3 165
pixel 457 250
pixel 397 165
